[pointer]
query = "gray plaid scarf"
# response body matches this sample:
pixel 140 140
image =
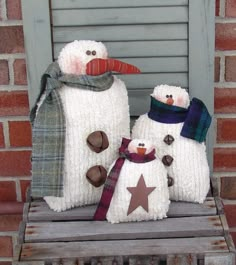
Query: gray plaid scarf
pixel 49 128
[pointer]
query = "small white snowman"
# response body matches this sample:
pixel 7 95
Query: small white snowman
pixel 141 192
pixel 96 115
pixel 178 127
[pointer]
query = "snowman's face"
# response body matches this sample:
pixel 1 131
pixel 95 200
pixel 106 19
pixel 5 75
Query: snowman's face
pixel 75 55
pixel 141 147
pixel 172 95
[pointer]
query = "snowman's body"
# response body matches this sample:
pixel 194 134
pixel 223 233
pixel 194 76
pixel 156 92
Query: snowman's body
pixel 87 111
pixel 189 168
pixel 155 175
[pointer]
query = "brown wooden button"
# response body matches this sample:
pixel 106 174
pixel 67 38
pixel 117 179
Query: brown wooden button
pixel 167 160
pixel 96 175
pixel 98 141
pixel 170 181
pixel 169 139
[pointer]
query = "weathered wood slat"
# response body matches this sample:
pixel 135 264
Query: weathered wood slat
pixel 198 245
pixel 91 230
pixel 29 263
pixel 181 260
pixel 219 259
pixel 140 48
pixel 71 4
pixel 107 261
pixel 148 81
pixel 120 16
pixel 159 64
pixel 121 32
pixel 144 260
pixel 39 211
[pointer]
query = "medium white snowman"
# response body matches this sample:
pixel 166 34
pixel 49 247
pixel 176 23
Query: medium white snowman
pixel 178 127
pixel 141 192
pixel 95 121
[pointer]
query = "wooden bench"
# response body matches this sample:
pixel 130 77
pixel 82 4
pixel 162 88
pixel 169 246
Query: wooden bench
pixel 192 234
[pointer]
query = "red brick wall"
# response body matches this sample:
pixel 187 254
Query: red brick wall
pixel 225 107
pixel 15 131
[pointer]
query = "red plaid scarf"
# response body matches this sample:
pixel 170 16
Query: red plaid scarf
pixel 110 184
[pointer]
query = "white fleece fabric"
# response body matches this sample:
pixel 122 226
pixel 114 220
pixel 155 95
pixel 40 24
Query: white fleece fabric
pixel 189 168
pixel 155 175
pixel 85 112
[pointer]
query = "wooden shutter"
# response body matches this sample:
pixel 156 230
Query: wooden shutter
pixel 171 41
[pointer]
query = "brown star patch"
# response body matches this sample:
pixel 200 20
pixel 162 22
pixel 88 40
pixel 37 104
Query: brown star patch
pixel 139 195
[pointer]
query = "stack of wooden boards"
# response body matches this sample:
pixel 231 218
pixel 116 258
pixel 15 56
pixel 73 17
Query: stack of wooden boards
pixel 193 234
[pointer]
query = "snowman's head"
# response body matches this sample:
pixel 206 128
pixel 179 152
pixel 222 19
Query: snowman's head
pixel 90 57
pixel 140 146
pixel 74 57
pixel 172 95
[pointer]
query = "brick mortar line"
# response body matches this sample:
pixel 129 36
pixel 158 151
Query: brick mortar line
pixel 229 202
pixel 225 20
pixel 4 9
pixel 225 85
pixel 15 149
pixel 11 71
pixel 9 233
pixel 14 118
pixel 2 259
pixel 232 229
pixel 225 115
pixel 18 191
pixel 6 134
pixel 15 243
pixel 12 88
pixel 14 178
pixel 222 69
pixel 222 8
pixel 5 56
pixel 227 53
pixel 11 23
pixel 225 145
pixel 224 174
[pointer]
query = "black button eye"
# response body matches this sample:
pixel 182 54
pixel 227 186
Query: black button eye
pixel 171 96
pixel 141 145
pixel 167 96
pixel 94 53
pixel 88 52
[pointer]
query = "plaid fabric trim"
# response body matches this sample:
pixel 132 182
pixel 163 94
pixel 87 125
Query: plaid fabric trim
pixel 197 122
pixel 110 184
pixel 48 149
pixel 49 128
pixel 164 113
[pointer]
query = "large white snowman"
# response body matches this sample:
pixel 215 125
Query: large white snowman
pixel 184 157
pixel 95 122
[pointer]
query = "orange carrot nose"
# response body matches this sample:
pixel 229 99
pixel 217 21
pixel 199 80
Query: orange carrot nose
pixel 100 66
pixel 141 150
pixel 170 101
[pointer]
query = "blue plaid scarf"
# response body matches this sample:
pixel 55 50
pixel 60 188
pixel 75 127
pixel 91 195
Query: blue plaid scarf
pixel 196 118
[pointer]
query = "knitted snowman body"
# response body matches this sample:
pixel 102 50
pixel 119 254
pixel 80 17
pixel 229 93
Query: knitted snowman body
pixel 185 159
pixel 141 192
pixel 86 112
pixel 95 122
